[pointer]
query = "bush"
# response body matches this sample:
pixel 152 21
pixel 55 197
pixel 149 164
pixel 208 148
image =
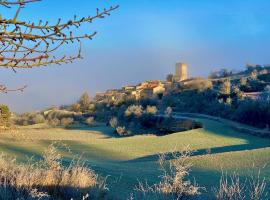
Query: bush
pixel 59 114
pixel 66 122
pixel 26 119
pixel 152 110
pixel 232 188
pixel 225 88
pixel 168 112
pixel 54 122
pixel 255 113
pixel 199 84
pixel 90 121
pixel 134 110
pixel 252 112
pixel 113 122
pixel 38 119
pixel 243 81
pixel 91 108
pixel 256 85
pixel 147 121
pixel 76 107
pixel 168 125
pixel 47 179
pixel 4 115
pixel 264 77
pixel 121 131
pixel 174 183
pixel 84 102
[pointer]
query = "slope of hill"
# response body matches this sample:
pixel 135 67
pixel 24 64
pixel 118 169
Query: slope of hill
pixel 127 160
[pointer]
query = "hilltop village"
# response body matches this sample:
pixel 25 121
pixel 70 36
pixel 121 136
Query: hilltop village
pixel 257 75
pixel 147 89
pixel 242 96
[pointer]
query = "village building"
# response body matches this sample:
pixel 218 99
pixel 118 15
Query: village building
pixel 146 89
pixel 128 88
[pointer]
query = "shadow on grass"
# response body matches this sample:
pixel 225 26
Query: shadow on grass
pixel 201 152
pixel 217 128
pixel 101 128
pixel 19 152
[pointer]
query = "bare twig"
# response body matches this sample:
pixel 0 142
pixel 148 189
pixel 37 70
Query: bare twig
pixel 30 44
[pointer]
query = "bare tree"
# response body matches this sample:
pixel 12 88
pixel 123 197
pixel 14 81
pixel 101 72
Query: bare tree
pixel 33 44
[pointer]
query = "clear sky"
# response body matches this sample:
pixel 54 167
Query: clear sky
pixel 142 40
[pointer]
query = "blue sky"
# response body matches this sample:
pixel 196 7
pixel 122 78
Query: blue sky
pixel 140 41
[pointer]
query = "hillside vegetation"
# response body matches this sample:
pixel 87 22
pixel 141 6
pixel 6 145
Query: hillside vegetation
pixel 126 160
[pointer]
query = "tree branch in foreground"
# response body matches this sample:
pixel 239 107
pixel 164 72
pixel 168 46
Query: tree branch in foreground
pixel 33 44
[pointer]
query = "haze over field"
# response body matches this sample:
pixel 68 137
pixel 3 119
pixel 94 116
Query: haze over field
pixel 142 41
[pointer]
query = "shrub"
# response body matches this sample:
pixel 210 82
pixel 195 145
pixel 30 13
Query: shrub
pixel 264 77
pixel 4 115
pixel 67 121
pixel 152 110
pixel 113 122
pixel 47 179
pixel 166 125
pixel 38 119
pixel 168 112
pixel 34 118
pixel 76 107
pixel 121 131
pixel 84 102
pixel 29 119
pixel 243 81
pixel 91 108
pixel 174 183
pixel 135 110
pixel 199 84
pixel 25 123
pixel 263 72
pixel 232 188
pixel 257 85
pixel 256 113
pixel 225 88
pixel 90 121
pixel 254 74
pixel 60 114
pixel 147 121
pixel 54 122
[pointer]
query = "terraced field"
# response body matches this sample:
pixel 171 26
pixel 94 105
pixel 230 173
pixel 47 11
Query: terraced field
pixel 126 160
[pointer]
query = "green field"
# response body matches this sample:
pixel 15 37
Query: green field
pixel 127 160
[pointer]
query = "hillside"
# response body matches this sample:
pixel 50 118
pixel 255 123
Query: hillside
pixel 129 159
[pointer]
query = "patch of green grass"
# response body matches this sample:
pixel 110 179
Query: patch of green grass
pixel 127 160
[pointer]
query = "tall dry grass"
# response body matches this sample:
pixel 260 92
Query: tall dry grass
pixel 233 188
pixel 48 179
pixel 174 183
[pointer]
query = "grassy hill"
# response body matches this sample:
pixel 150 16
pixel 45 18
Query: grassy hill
pixel 127 160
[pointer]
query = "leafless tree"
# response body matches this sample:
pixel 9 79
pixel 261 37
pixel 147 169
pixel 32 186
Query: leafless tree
pixel 33 44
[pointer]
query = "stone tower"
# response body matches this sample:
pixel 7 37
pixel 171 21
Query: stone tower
pixel 180 72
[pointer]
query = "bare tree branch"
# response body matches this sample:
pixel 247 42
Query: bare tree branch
pixel 31 44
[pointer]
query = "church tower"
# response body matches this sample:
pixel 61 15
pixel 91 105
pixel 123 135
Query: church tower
pixel 180 72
